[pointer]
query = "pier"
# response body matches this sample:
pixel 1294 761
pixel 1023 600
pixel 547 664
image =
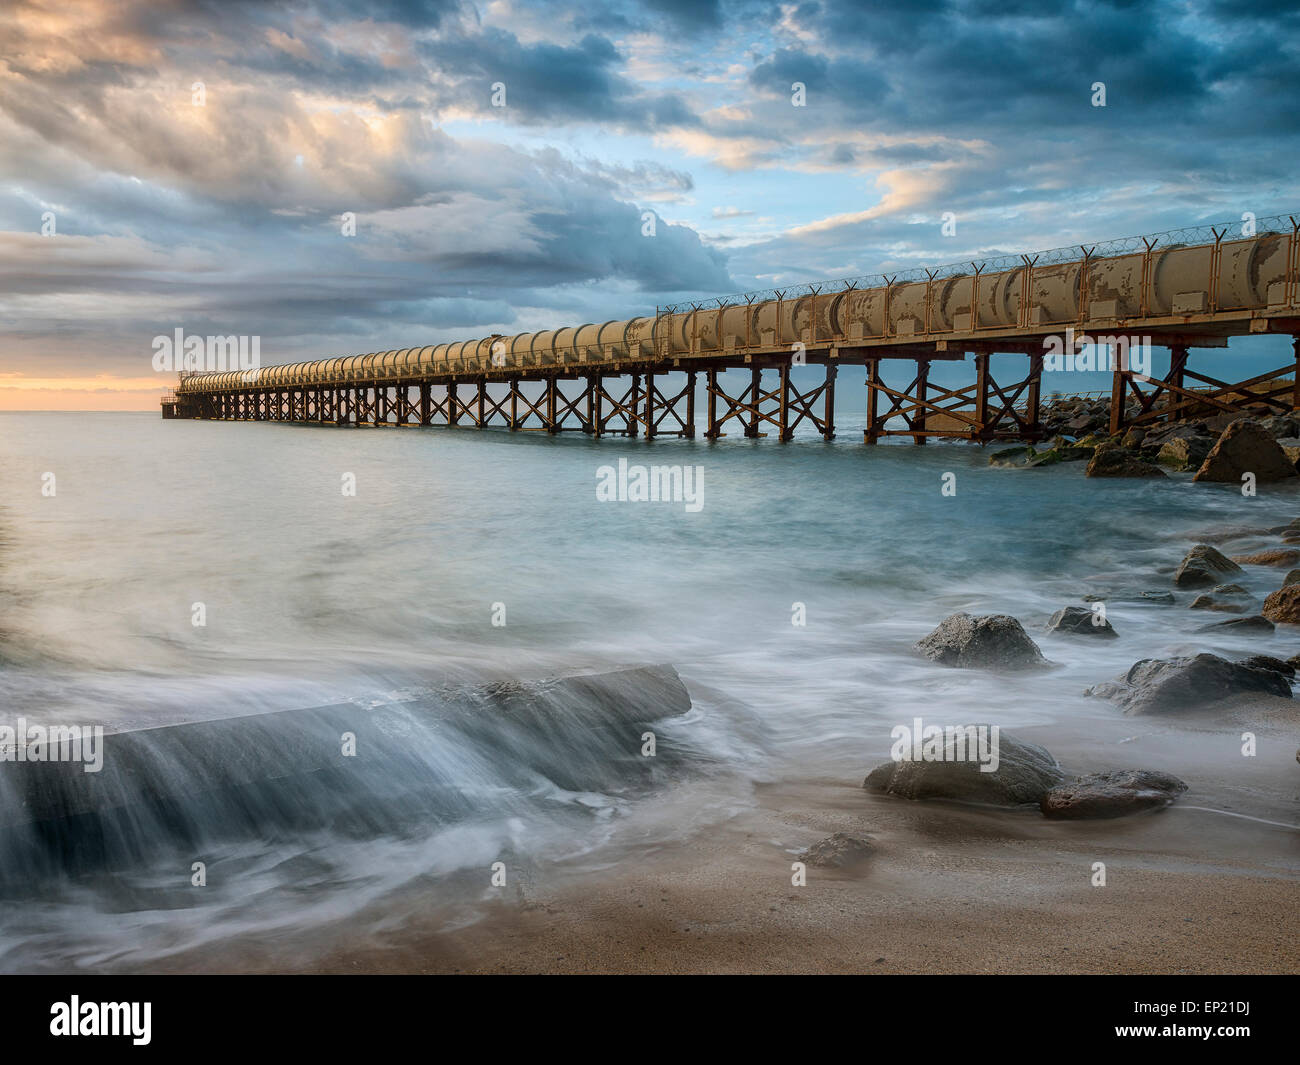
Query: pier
pixel 1182 290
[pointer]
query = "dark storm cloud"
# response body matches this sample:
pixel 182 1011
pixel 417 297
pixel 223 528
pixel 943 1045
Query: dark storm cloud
pixel 230 214
pixel 549 83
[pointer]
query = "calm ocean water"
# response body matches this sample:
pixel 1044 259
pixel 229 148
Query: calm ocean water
pixel 314 598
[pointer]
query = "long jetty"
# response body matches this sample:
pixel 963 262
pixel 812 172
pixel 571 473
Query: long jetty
pixel 1183 289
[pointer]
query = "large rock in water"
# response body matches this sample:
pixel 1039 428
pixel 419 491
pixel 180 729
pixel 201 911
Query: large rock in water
pixel 1184 452
pixel 839 851
pixel 1024 773
pixel 1111 794
pixel 1283 605
pixel 1111 460
pixel 1080 622
pixel 992 641
pixel 1160 685
pixel 1245 447
pixel 1203 567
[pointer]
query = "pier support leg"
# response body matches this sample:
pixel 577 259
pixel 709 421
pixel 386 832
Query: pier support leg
pixel 1177 368
pixel 650 406
pixel 712 432
pixel 689 430
pixel 1034 399
pixel 1295 388
pixel 1117 397
pixel 828 422
pixel 783 431
pixel 982 430
pixel 918 418
pixel 755 390
pixel 872 434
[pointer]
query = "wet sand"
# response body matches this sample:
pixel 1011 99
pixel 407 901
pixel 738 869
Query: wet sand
pixel 947 889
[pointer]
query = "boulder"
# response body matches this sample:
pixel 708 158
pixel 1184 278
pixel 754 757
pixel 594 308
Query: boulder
pixel 1026 457
pixel 1280 426
pixel 1111 794
pixel 1060 454
pixel 1184 452
pixel 1111 460
pixel 1283 605
pixel 1133 438
pixel 1204 566
pixel 1159 436
pixel 1079 621
pixel 1278 556
pixel 991 641
pixel 1220 422
pixel 1268 662
pixel 1291 578
pixel 1291 448
pixel 837 852
pixel 1221 534
pixel 1014 457
pixel 1163 598
pixel 1234 626
pixel 1245 447
pixel 1228 598
pixel 1024 773
pixel 1161 685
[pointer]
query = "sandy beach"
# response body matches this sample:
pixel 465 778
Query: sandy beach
pixel 947 889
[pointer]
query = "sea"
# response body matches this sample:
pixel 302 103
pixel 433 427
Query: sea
pixel 157 574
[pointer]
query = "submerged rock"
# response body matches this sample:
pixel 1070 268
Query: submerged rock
pixel 1219 534
pixel 1060 454
pixel 1283 605
pixel 1204 566
pixel 1245 447
pixel 1080 622
pixel 1128 791
pixel 1014 457
pixel 1159 685
pixel 1278 556
pixel 838 851
pixel 1163 598
pixel 1268 662
pixel 1111 460
pixel 1227 598
pixel 1253 623
pixel 991 641
pixel 1027 457
pixel 1024 773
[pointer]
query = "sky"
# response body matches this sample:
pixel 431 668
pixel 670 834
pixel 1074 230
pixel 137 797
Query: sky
pixel 197 165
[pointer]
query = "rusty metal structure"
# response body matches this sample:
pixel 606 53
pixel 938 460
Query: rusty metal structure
pixel 1184 289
